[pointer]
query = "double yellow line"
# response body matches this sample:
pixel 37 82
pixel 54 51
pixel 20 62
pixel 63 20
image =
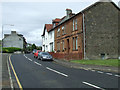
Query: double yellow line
pixel 20 86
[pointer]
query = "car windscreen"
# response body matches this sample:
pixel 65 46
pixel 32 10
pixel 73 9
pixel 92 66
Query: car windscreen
pixel 45 54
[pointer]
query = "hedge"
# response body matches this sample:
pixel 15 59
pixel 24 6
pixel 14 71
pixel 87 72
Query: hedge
pixel 10 49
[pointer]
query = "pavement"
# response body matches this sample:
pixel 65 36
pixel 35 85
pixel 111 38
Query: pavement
pixel 88 67
pixel 0 71
pixel 5 82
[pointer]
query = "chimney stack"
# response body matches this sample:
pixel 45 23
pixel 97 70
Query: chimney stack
pixel 13 32
pixel 68 12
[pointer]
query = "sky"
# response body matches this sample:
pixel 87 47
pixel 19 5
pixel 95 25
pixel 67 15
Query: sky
pixel 29 17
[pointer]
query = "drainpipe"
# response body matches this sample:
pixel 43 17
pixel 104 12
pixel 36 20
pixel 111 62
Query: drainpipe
pixel 84 33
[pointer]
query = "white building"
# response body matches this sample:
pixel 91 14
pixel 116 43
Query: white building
pixel 48 38
pixel 14 40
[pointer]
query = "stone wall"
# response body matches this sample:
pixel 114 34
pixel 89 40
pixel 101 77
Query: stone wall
pixel 101 25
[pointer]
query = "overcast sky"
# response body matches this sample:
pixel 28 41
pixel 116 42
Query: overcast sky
pixel 29 17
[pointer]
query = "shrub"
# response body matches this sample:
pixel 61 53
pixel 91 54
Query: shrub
pixel 10 49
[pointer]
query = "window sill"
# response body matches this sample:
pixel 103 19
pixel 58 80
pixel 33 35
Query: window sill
pixel 75 50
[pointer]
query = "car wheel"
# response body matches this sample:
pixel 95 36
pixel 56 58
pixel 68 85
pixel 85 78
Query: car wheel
pixel 42 59
pixel 38 57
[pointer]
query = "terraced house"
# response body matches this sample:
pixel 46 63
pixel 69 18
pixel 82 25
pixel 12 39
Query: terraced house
pixel 48 36
pixel 90 34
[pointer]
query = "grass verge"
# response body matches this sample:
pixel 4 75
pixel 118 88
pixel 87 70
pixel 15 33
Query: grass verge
pixel 109 62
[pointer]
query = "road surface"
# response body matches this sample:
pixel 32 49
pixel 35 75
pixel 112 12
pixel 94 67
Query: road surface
pixel 32 73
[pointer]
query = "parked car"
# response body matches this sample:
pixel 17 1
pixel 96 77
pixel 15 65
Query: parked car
pixel 36 53
pixel 44 56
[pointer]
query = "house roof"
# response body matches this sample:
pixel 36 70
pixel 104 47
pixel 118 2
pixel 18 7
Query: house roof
pixel 57 20
pixel 86 9
pixel 47 27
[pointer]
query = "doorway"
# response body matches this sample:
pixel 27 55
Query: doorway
pixel 68 46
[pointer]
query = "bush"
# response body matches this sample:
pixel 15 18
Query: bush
pixel 10 49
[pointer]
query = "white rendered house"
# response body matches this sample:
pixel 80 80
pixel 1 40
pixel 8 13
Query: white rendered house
pixel 48 38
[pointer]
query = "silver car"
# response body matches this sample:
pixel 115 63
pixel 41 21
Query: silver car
pixel 44 56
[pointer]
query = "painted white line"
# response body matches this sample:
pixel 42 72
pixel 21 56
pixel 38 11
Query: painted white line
pixel 86 69
pixel 37 63
pixel 93 70
pixel 56 72
pixel 11 82
pixel 29 59
pixel 92 85
pixel 109 73
pixel 117 75
pixel 99 72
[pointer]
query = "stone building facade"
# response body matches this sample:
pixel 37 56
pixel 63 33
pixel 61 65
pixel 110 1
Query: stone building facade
pixel 14 40
pixel 101 31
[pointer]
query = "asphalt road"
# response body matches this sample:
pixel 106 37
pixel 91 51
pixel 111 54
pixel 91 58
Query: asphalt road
pixel 33 73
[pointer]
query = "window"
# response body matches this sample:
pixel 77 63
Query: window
pixel 75 43
pixel 64 29
pixel 46 47
pixel 19 38
pixel 58 46
pixel 58 32
pixel 54 25
pixel 63 45
pixel 73 24
pixel 50 35
pixel 51 47
pixel 76 46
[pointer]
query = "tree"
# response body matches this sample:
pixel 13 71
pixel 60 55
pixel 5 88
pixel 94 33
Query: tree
pixel 34 46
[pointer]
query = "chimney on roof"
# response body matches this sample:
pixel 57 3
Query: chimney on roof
pixel 68 12
pixel 13 32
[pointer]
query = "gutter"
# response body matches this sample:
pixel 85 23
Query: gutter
pixel 84 34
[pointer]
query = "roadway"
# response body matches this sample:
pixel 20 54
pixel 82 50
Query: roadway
pixel 33 73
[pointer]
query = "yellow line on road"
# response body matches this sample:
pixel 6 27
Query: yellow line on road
pixel 20 86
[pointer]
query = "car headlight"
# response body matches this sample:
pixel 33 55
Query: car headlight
pixel 44 57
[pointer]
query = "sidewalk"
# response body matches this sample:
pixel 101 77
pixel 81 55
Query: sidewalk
pixel 88 67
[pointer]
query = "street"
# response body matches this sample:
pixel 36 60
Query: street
pixel 33 73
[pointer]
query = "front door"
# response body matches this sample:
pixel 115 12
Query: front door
pixel 68 47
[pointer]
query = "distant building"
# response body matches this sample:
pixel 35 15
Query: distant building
pixel 14 40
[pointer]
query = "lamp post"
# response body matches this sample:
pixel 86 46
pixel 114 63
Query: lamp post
pixel 2 34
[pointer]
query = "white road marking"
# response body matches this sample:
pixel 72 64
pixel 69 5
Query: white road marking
pixel 29 59
pixel 86 69
pixel 11 82
pixel 117 75
pixel 109 73
pixel 56 72
pixel 92 85
pixel 99 72
pixel 37 63
pixel 93 70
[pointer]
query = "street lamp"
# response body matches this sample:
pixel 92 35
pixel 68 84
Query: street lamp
pixel 2 33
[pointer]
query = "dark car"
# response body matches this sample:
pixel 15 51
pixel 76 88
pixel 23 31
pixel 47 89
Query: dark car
pixel 36 53
pixel 44 56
